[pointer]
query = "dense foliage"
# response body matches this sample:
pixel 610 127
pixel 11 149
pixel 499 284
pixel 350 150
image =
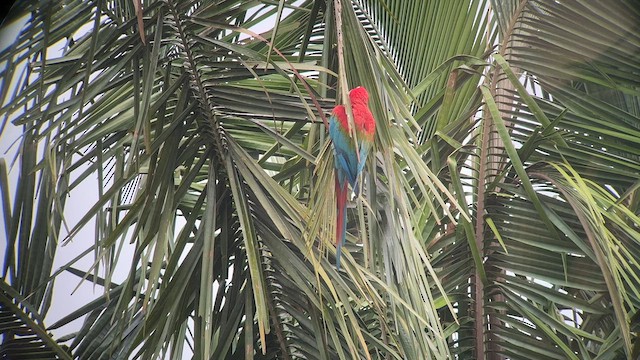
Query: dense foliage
pixel 499 217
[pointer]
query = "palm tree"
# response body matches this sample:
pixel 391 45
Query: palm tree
pixel 500 213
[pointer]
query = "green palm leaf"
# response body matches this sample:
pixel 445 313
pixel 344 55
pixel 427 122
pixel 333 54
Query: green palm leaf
pixel 500 206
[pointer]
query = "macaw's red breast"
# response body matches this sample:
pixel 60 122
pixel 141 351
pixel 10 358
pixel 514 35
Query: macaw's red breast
pixel 362 116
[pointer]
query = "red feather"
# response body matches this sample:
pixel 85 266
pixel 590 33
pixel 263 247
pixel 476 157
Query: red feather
pixel 365 129
pixel 341 113
pixel 362 116
pixel 350 155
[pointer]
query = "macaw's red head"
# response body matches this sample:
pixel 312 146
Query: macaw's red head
pixel 359 95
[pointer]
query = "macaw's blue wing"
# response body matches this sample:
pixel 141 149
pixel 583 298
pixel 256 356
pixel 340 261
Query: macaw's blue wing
pixel 346 159
pixel 364 152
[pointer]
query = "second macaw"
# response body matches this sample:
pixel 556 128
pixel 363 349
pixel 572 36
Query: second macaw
pixel 350 154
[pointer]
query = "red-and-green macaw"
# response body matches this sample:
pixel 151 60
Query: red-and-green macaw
pixel 349 155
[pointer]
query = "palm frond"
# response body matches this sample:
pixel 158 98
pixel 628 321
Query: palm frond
pixel 499 211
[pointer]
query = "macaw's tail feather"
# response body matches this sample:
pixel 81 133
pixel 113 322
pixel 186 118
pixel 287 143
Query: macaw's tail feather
pixel 341 221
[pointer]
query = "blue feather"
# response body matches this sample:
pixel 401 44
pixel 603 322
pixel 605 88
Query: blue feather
pixel 346 159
